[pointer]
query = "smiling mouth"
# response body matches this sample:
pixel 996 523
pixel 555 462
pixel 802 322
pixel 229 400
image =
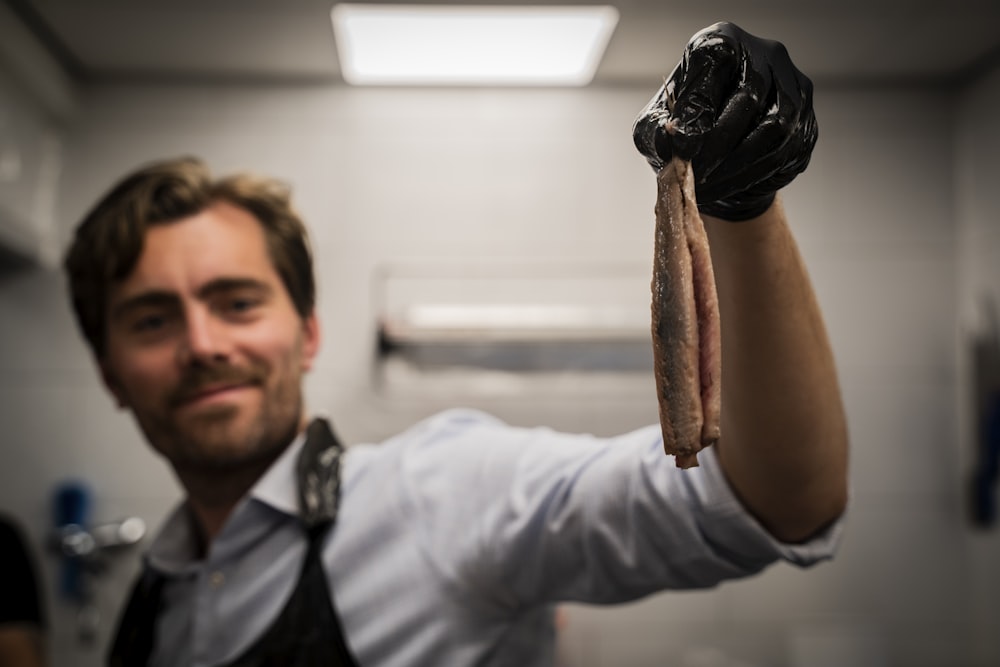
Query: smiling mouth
pixel 213 394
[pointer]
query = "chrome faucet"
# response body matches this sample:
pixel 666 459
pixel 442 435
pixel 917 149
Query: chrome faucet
pixel 85 553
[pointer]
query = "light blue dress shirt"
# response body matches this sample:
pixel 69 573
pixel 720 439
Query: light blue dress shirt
pixel 455 540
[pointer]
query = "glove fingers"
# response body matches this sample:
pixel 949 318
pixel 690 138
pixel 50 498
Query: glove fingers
pixel 759 179
pixel 787 128
pixel 707 73
pixel 738 115
pixel 747 162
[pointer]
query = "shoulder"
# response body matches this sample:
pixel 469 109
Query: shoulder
pixel 456 453
pixel 428 440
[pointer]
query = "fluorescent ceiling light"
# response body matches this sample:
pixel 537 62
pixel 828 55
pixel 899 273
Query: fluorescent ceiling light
pixel 471 45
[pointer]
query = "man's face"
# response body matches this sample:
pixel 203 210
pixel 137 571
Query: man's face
pixel 204 345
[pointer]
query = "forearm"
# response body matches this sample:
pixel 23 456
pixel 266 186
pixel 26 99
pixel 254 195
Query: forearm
pixel 784 435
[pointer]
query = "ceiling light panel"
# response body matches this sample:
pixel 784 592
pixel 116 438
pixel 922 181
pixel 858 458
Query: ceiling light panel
pixel 471 45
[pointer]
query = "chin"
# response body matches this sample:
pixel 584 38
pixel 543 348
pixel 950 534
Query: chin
pixel 214 439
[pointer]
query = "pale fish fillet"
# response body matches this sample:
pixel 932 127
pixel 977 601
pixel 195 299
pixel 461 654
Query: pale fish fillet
pixel 687 347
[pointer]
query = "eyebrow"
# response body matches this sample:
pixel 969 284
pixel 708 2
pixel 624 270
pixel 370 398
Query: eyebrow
pixel 223 285
pixel 159 297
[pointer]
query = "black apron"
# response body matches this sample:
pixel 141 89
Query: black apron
pixel 307 631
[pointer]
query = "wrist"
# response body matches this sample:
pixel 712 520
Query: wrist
pixel 738 209
pixel 724 236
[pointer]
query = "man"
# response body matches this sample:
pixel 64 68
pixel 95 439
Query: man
pixel 450 543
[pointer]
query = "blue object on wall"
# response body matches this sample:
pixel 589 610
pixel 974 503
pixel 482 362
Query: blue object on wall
pixel 71 514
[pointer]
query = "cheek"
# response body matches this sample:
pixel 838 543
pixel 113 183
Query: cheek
pixel 144 375
pixel 278 348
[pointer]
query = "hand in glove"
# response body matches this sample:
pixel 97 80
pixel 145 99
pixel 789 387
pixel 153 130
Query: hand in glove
pixel 741 112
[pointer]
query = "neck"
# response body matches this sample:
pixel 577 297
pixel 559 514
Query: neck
pixel 213 492
pixel 213 495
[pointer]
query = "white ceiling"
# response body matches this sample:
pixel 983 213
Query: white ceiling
pixel 873 41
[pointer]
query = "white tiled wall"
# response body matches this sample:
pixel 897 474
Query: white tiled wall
pixel 544 178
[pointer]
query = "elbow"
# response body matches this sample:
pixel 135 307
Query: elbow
pixel 816 495
pixel 795 492
pixel 814 513
pixel 819 524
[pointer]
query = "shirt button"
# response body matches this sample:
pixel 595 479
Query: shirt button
pixel 216 579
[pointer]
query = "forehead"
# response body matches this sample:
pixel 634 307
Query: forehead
pixel 222 241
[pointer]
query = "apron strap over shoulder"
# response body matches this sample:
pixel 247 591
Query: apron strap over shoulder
pixel 318 472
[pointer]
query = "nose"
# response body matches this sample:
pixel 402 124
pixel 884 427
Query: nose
pixel 205 340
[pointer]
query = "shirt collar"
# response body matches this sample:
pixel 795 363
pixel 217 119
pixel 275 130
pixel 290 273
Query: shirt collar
pixel 278 486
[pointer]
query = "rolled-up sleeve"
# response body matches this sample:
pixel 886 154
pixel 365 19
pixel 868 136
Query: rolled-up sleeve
pixel 532 516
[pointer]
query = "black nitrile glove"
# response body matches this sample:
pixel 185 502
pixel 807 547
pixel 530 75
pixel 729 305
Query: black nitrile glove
pixel 741 112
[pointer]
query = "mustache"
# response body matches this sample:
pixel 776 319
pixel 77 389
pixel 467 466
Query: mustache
pixel 198 379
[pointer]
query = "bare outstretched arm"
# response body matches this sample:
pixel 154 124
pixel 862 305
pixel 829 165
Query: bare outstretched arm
pixel 784 434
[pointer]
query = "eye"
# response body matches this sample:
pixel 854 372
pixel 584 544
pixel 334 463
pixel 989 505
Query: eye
pixel 240 305
pixel 149 323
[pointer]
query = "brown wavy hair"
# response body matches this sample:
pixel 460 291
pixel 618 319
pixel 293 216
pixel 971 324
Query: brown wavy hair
pixel 109 240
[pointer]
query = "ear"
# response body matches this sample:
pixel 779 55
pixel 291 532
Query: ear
pixel 310 340
pixel 111 384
